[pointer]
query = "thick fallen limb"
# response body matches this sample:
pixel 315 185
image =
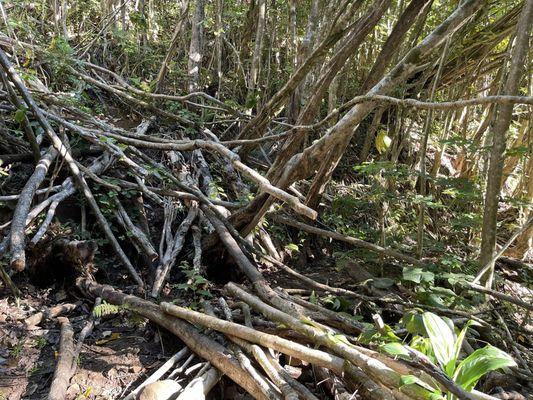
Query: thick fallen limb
pixel 269 389
pixel 251 335
pixel 18 224
pixel 288 392
pixel 373 368
pixel 63 371
pixel 199 387
pixel 204 347
pixel 316 357
pixel 52 312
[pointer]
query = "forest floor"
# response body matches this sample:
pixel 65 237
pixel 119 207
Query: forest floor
pixel 123 350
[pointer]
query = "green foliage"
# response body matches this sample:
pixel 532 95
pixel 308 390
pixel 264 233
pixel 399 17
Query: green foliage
pixel 59 59
pixel 441 342
pixel 16 350
pixel 418 275
pixel 20 115
pixel 196 285
pixel 105 308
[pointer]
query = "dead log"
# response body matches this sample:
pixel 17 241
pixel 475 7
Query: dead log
pixel 158 373
pixel 199 387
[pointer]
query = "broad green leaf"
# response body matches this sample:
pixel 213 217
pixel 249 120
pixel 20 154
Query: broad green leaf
pixel 417 275
pixel 408 380
pixel 412 320
pixel 382 283
pixel 436 396
pixel 414 380
pixel 442 339
pixel 480 362
pixel 459 340
pixel 292 246
pixel 395 349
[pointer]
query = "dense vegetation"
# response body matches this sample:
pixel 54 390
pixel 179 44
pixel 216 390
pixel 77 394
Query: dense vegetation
pixel 364 168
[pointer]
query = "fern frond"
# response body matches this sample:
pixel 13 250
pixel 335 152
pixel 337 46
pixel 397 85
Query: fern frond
pixel 105 309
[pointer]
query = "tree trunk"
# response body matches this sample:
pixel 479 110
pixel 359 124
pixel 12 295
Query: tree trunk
pixel 195 50
pixel 258 49
pixel 499 131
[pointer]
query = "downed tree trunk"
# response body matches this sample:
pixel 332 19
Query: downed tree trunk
pixel 206 348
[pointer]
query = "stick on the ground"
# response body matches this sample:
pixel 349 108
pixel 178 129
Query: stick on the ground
pixel 52 312
pixel 18 222
pixel 65 359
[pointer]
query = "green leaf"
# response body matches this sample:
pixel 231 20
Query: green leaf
pixel 383 142
pixel 479 363
pixel 292 246
pixel 395 349
pixel 442 340
pixel 20 114
pixel 412 321
pixel 417 275
pixel 460 338
pixel 414 380
pixel 382 283
pixel 408 380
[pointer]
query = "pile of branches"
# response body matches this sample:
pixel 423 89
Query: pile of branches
pixel 171 172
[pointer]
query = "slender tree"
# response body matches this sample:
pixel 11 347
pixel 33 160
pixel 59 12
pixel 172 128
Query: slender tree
pixel 498 133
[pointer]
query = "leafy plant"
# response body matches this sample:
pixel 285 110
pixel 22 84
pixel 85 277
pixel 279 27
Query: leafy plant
pixel 441 343
pixel 196 284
